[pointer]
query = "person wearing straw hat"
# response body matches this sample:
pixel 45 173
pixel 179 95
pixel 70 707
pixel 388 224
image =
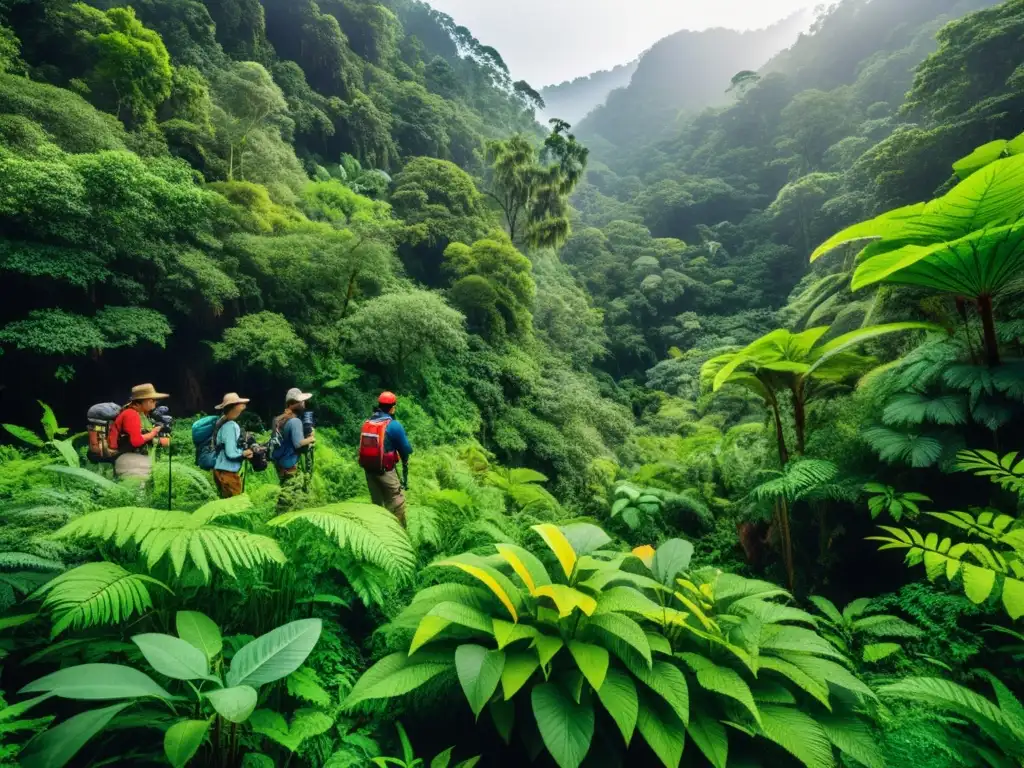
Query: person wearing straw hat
pixel 127 437
pixel 227 470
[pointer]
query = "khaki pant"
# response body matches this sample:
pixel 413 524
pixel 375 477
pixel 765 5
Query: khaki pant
pixel 228 483
pixel 133 465
pixel 386 491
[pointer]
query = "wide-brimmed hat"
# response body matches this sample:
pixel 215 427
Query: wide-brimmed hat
pixel 231 398
pixel 296 395
pixel 147 392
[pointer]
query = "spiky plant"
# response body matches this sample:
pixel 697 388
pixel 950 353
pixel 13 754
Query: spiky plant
pixel 886 499
pixel 523 487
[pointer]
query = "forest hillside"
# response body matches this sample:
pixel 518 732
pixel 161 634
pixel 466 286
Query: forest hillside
pixel 686 436
pixel 575 99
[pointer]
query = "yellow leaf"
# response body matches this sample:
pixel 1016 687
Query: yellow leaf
pixel 568 599
pixel 518 566
pixel 978 583
pixel 709 625
pixel 560 545
pixel 489 580
pixel 646 554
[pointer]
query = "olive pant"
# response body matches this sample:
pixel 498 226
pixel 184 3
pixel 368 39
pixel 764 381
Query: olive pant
pixel 228 483
pixel 386 491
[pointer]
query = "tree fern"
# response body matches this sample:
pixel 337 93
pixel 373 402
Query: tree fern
pixel 799 479
pixel 368 532
pixel 913 408
pixel 95 594
pixel 183 537
pixel 894 447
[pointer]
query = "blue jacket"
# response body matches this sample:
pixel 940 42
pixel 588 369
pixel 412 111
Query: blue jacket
pixel 287 456
pixel 229 456
pixel 395 438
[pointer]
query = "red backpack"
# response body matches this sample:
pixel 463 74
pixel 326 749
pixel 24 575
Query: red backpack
pixel 372 456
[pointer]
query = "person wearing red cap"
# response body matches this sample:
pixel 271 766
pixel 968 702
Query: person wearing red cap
pixel 382 444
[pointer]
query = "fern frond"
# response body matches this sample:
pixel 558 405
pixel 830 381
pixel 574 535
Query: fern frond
pixel 1006 471
pixel 913 409
pixel 951 697
pixel 423 525
pixel 96 594
pixel 798 479
pixel 368 532
pixel 184 537
pixel 894 447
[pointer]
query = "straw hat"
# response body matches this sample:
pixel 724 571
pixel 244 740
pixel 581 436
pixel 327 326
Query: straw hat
pixel 147 392
pixel 231 399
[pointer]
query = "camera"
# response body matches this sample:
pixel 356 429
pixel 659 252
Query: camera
pixel 161 417
pixel 248 442
pixel 308 423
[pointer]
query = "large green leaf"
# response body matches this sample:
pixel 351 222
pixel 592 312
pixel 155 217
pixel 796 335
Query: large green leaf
pixel 25 435
pixel 622 628
pixel 58 745
pixel 721 680
pixel 710 737
pixel 592 661
pixel 585 537
pixel 671 558
pixel 183 740
pixel 888 224
pixel 233 704
pixel 841 344
pixel 662 731
pixel 274 655
pixel 566 727
pixel 442 615
pixel 618 696
pixel 982 263
pixel 519 667
pixel 854 738
pixel 479 672
pixel 96 682
pixel 799 734
pixel 173 657
pixel 200 631
pixel 665 679
pixel 396 675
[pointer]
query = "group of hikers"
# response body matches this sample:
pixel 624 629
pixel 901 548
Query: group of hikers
pixel 383 443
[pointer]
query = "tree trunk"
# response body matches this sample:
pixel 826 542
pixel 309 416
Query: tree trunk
pixel 780 435
pixel 988 323
pixel 800 415
pixel 786 540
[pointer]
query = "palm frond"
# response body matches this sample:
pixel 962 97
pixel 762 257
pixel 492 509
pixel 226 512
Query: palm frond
pixel 95 594
pixel 370 533
pixel 1006 471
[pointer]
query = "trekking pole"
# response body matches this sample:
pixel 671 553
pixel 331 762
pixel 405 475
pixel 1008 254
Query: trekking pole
pixel 170 476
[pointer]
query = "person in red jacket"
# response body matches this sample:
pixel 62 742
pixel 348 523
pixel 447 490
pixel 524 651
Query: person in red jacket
pixel 132 443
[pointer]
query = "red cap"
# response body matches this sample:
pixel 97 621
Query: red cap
pixel 387 398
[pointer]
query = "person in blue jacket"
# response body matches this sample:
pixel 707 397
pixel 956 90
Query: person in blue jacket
pixel 227 471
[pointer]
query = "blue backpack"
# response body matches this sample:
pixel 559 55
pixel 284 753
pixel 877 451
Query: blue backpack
pixel 204 435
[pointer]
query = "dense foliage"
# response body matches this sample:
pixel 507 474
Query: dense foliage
pixel 681 382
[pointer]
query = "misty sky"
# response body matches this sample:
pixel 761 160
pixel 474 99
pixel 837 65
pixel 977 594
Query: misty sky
pixel 548 41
